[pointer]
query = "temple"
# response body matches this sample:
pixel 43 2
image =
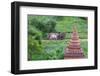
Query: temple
pixel 74 49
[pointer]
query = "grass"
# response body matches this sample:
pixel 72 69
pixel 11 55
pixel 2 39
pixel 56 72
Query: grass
pixel 66 24
pixel 54 49
pixel 81 35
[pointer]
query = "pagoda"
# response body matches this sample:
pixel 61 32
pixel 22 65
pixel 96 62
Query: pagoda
pixel 74 49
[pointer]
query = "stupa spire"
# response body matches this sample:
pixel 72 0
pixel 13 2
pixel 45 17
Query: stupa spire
pixel 74 49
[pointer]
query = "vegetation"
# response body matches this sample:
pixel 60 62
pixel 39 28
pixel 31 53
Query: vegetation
pixel 39 48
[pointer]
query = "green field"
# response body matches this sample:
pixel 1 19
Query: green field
pixel 54 49
pixel 39 48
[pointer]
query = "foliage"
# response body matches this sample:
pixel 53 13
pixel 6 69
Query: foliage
pixel 39 48
pixel 84 45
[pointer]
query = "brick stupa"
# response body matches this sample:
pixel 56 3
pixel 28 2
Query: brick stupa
pixel 74 49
